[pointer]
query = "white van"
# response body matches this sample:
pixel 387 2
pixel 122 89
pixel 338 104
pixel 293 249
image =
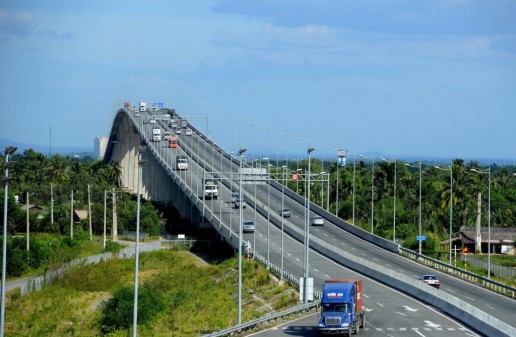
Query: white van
pixel 143 107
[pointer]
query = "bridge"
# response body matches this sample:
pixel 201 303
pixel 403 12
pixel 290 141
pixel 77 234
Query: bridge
pixel 395 301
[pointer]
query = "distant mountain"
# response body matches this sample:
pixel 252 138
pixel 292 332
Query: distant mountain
pixel 62 150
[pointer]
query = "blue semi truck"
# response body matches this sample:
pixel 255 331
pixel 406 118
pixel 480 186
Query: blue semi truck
pixel 341 307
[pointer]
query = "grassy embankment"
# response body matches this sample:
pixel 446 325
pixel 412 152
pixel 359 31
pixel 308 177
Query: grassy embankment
pixel 191 298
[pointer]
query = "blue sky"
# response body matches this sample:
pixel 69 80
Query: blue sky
pixel 428 78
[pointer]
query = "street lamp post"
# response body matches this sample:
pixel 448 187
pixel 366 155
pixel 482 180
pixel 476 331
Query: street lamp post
pixel 488 172
pixel 9 150
pixel 451 207
pixel 307 231
pixel 420 180
pixel 284 167
pixel 372 195
pixel 394 195
pixel 240 154
pixel 137 243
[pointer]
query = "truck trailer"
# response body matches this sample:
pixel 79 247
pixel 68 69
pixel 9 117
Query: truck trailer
pixel 341 307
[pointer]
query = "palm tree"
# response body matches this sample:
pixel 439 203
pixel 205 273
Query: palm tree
pixel 58 171
pixel 114 172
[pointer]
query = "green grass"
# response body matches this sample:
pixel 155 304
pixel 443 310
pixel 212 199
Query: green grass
pixel 199 298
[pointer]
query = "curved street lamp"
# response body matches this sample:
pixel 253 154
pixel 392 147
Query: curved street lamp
pixel 240 154
pixel 307 231
pixel 488 172
pixel 451 204
pixel 394 195
pixel 136 245
pixel 9 150
pixel 372 194
pixel 419 203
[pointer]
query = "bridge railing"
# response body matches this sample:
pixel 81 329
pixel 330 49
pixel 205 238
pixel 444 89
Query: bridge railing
pixel 298 310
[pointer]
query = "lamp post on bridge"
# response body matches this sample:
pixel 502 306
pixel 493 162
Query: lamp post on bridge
pixel 136 252
pixel 372 195
pixel 394 195
pixel 240 233
pixel 488 172
pixel 451 206
pixel 307 232
pixel 420 179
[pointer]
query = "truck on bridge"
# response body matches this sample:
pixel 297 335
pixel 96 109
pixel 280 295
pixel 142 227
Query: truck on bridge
pixel 181 163
pixel 341 307
pixel 211 190
pixel 156 134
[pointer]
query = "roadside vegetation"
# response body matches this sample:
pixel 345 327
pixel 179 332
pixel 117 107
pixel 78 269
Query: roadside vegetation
pixel 97 300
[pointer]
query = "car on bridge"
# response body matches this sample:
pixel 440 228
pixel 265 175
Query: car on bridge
pixel 248 226
pixel 242 203
pixel 317 221
pixel 431 280
pixel 285 213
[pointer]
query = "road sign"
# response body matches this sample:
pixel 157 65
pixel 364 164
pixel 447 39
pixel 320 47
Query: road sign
pixel 160 105
pixel 420 237
pixel 295 176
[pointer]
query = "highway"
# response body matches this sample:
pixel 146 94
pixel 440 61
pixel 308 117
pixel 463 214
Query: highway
pixel 388 311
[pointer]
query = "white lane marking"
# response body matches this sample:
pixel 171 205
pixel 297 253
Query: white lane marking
pixel 399 313
pixel 374 258
pixel 316 270
pixel 367 309
pixel 379 304
pixel 431 324
pixel 409 308
pixel 365 295
pixel 419 333
pixel 388 265
pixel 298 260
pixel 353 248
pixel 490 307
pixel 289 254
pixel 325 234
pixel 327 276
pixel 450 290
pixel 471 298
pixel 364 254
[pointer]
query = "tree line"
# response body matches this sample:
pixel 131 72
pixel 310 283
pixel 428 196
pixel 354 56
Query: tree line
pixel 354 184
pixel 42 178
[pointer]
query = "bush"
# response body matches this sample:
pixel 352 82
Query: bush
pixel 117 312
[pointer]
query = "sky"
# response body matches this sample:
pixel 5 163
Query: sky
pixel 434 78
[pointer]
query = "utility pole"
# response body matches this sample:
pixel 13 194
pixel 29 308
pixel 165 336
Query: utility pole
pixel 89 212
pixel 115 224
pixel 28 224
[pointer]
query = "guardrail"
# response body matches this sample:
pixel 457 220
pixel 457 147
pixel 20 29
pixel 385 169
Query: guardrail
pixel 464 274
pixel 296 310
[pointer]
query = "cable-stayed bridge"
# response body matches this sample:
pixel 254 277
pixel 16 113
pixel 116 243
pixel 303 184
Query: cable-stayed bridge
pixel 338 249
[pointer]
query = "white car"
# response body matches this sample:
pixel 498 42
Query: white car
pixel 178 131
pixel 317 221
pixel 188 132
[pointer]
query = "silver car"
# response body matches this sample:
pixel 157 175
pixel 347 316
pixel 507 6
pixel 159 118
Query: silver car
pixel 317 221
pixel 248 226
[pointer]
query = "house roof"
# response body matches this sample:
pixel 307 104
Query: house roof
pixel 81 214
pixel 33 208
pixel 498 234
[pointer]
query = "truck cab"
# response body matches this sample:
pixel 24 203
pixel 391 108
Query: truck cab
pixel 181 163
pixel 211 190
pixel 341 307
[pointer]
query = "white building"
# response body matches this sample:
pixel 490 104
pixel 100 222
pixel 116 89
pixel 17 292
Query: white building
pixel 100 146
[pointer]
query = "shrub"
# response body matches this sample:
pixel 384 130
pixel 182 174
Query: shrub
pixel 117 312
